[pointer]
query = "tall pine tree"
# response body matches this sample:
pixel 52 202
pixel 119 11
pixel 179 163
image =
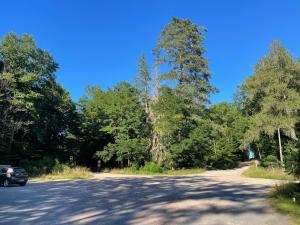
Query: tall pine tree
pixel 180 46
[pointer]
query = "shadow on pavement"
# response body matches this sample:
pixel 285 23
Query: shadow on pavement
pixel 157 200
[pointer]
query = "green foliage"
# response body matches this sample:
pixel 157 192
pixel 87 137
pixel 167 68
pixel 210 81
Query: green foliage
pixel 281 199
pixel 38 167
pixel 191 151
pixel 175 119
pixel 167 125
pixel 265 146
pixel 194 140
pixel 276 173
pixel 292 158
pixel 296 169
pixel 66 172
pixel 143 82
pixel 228 129
pixel 273 93
pixel 185 144
pixel 270 161
pixel 271 97
pixel 156 170
pixel 180 45
pixel 38 113
pixel 133 151
pixel 151 167
pixel 10 105
pixel 287 191
pixel 50 169
pixel 223 155
pixel 182 93
pixel 121 117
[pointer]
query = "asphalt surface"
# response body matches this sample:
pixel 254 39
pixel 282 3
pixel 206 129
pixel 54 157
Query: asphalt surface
pixel 214 198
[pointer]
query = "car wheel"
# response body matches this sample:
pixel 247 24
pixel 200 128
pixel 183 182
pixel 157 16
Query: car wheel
pixel 6 183
pixel 23 184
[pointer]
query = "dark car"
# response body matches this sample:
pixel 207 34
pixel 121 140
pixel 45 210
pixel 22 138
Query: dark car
pixel 12 175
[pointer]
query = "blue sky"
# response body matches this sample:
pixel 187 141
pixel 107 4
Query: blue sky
pixel 99 42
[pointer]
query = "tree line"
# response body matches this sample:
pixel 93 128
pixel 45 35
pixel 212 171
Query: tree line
pixel 164 116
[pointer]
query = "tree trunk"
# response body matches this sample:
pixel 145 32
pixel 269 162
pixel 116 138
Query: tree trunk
pixel 280 147
pixel 292 129
pixel 2 67
pixel 215 149
pixel 259 155
pixel 180 71
pixel 293 134
pixel 181 75
pixel 156 148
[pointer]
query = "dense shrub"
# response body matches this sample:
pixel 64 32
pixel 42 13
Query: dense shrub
pixel 45 166
pixel 191 152
pixel 289 190
pixel 270 161
pixel 292 158
pixel 223 154
pixel 151 167
pixel 224 162
pixel 63 171
pixel 286 199
pixel 38 167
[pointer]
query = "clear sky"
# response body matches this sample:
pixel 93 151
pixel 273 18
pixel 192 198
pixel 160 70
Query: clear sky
pixel 98 42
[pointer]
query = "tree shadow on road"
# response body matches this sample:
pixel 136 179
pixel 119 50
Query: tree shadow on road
pixel 128 200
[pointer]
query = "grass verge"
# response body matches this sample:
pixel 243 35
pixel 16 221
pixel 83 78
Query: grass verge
pixel 67 173
pixel 282 199
pixel 133 171
pixel 267 173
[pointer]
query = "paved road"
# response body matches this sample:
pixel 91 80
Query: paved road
pixel 214 198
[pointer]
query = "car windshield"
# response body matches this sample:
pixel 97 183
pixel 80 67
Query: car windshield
pixel 19 169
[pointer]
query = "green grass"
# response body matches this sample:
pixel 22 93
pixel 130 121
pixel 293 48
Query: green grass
pixel 67 173
pixel 281 199
pixel 132 171
pixel 267 173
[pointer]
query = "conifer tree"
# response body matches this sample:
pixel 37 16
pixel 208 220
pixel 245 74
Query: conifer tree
pixel 273 94
pixel 180 47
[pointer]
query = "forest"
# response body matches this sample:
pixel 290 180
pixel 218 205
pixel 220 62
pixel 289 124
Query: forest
pixel 164 116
